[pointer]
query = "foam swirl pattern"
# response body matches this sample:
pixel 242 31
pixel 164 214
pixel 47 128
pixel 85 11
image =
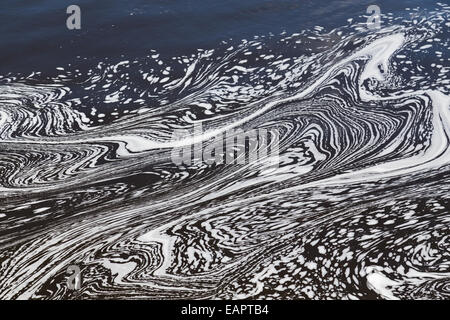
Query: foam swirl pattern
pixel 357 208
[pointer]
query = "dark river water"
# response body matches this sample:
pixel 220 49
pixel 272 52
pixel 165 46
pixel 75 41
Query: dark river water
pixel 225 150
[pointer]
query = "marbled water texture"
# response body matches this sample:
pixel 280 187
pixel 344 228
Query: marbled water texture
pixel 357 207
